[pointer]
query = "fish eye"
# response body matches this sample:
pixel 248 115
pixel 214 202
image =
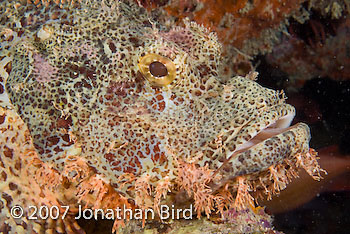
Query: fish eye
pixel 157 69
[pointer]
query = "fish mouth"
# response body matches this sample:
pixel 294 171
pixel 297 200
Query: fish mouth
pixel 279 126
pixel 270 146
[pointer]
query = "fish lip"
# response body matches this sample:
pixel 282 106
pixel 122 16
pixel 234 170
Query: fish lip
pixel 278 126
pixel 295 129
pixel 226 177
pixel 271 132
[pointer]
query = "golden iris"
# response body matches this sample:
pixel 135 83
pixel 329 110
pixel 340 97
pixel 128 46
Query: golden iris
pixel 157 69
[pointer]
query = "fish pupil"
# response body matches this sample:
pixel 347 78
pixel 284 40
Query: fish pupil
pixel 158 69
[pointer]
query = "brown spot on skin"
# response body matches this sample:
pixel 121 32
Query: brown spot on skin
pixel 197 93
pixel 86 84
pixel 39 149
pixel 130 170
pixel 112 47
pixel 58 149
pixel 5 228
pixel 161 106
pixel 8 67
pixel 53 140
pixel 23 21
pixel 78 85
pixel 64 122
pixel 8 152
pixel 13 186
pixel 222 158
pixel 227 169
pixel 163 159
pixel 8 199
pixel 1 89
pixel 110 157
pixel 91 74
pixel 2 118
pixel 18 165
pixel 3 176
pixel 159 97
pixel 66 138
pixel 203 70
pixel 134 41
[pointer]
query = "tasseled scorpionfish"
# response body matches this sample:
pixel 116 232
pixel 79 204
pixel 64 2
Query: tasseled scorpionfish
pixel 103 106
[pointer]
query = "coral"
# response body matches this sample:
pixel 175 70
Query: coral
pixel 245 221
pixel 334 8
pixel 236 22
pixel 324 55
